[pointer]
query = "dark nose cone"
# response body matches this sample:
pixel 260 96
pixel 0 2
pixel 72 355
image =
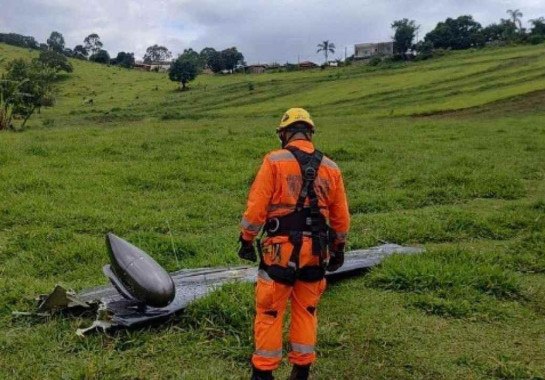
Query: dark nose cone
pixel 143 278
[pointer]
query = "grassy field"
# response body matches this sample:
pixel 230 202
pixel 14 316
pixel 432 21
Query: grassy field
pixel 445 154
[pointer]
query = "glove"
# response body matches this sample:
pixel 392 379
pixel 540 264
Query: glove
pixel 246 250
pixel 336 257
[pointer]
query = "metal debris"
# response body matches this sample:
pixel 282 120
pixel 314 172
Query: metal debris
pixel 118 311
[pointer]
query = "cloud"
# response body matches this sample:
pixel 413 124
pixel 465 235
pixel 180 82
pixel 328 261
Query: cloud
pixel 265 31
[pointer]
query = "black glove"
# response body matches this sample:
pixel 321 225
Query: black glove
pixel 336 257
pixel 247 250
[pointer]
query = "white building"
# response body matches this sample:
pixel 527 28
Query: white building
pixel 369 50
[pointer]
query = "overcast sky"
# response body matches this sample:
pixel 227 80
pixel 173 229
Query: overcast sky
pixel 264 30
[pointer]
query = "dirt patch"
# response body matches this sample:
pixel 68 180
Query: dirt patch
pixel 532 102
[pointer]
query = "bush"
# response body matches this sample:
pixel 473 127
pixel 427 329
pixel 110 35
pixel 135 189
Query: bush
pixel 537 39
pixel 425 50
pixel 375 61
pixel 55 61
pixel 101 56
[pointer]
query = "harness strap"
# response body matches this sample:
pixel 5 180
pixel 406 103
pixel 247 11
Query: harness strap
pixel 309 165
pixel 311 221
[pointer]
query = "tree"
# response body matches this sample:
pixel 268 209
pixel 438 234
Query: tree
pixel 157 53
pixel 206 54
pixel 326 47
pixel 215 62
pixel 505 31
pixel 424 50
pixel 93 44
pixel 231 58
pixel 404 33
pixel 55 61
pixel 25 87
pixel 80 52
pixel 538 26
pixel 460 33
pixel 184 69
pixel 124 60
pixel 67 52
pixel 195 56
pixel 516 16
pixel 55 42
pixel 19 40
pixel 100 56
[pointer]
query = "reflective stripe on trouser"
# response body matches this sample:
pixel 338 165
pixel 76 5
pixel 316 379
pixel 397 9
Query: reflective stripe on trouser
pixel 304 322
pixel 271 301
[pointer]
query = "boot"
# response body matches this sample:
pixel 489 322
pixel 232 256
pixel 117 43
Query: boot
pixel 258 374
pixel 300 372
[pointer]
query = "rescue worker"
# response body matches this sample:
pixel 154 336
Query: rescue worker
pixel 298 200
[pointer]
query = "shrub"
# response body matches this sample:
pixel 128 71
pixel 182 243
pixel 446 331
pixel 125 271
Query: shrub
pixel 375 61
pixel 55 61
pixel 537 39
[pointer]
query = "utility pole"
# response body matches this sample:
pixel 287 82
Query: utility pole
pixel 345 49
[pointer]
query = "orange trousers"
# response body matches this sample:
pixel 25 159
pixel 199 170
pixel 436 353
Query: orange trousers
pixel 271 301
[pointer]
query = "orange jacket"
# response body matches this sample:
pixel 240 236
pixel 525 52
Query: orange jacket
pixel 277 186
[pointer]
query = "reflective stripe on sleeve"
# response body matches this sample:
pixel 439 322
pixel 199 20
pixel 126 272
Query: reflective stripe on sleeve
pixel 269 353
pixel 328 162
pixel 245 223
pixel 281 156
pixel 302 348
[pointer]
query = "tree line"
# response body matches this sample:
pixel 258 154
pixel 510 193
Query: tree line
pixel 464 32
pixel 92 49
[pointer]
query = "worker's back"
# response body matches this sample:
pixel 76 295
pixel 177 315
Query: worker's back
pixel 278 185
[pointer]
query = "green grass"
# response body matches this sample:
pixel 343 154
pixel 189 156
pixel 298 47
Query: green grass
pixel 446 154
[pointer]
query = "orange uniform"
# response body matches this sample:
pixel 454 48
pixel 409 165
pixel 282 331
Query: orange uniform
pixel 274 193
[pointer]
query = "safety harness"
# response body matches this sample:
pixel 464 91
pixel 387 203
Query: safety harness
pixel 303 221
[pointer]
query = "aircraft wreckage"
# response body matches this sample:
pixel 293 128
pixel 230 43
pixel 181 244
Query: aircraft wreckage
pixel 142 292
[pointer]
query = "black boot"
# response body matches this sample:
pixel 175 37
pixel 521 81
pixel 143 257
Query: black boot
pixel 258 374
pixel 300 372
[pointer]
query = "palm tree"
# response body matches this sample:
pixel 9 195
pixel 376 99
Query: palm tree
pixel 516 15
pixel 327 47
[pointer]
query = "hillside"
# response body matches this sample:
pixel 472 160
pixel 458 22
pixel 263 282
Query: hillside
pixel 447 154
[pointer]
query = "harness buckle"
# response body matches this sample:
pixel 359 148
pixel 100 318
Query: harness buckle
pixel 276 227
pixel 310 173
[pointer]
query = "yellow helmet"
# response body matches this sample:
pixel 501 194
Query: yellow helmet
pixel 295 115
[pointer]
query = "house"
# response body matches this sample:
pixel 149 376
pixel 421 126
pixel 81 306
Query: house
pixel 139 65
pixel 307 65
pixel 255 69
pixel 160 67
pixel 152 66
pixel 369 50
